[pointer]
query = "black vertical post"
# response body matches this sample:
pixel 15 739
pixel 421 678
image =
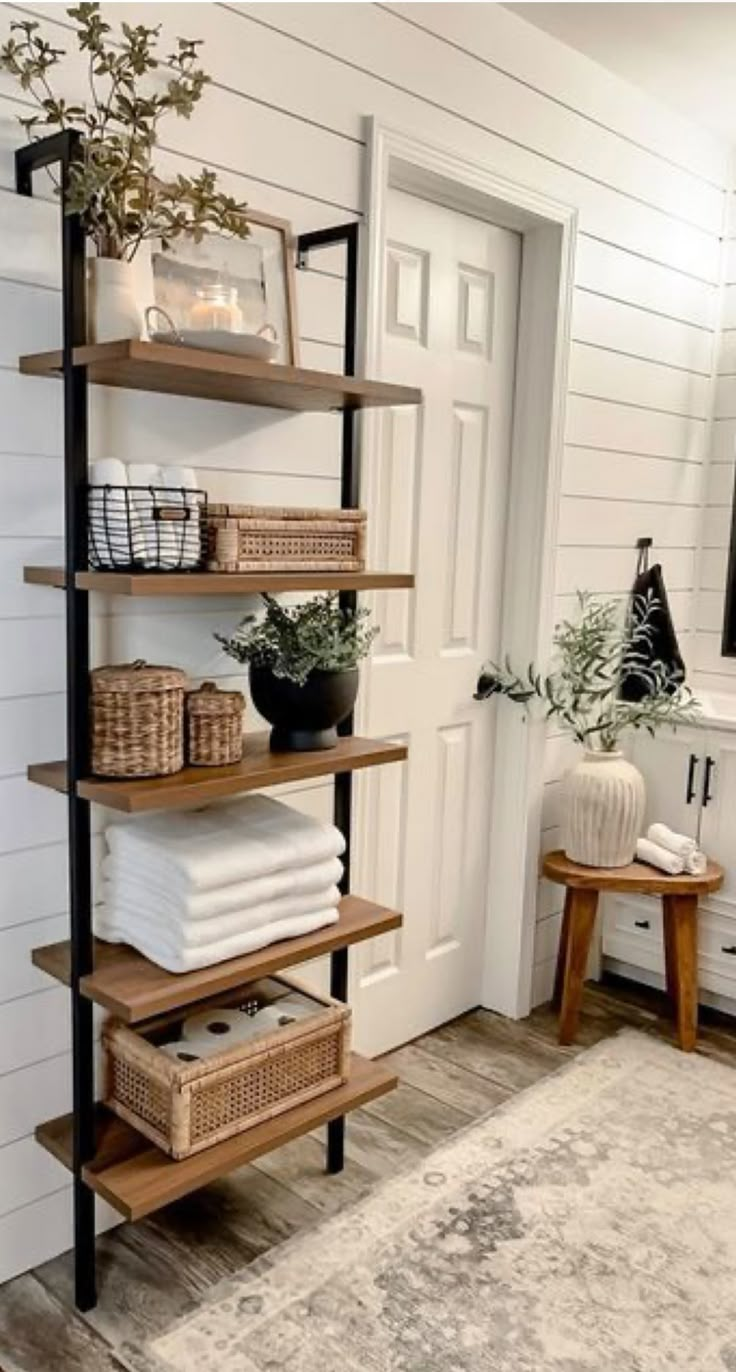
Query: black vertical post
pixel 62 149
pixel 349 499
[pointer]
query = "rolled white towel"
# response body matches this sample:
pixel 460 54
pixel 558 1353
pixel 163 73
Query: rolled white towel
pixel 679 844
pixel 145 475
pixel 693 859
pixel 696 864
pixel 182 541
pixel 113 524
pixel 662 858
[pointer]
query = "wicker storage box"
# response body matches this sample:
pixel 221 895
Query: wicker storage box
pixel 259 538
pixel 137 720
pixel 214 726
pixel 184 1107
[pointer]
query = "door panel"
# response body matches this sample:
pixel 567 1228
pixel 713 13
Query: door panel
pixel 437 499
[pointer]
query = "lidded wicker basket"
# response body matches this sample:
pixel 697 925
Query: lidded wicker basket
pixel 137 720
pixel 214 723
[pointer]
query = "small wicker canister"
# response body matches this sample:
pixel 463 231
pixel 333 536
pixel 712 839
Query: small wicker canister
pixel 214 726
pixel 137 720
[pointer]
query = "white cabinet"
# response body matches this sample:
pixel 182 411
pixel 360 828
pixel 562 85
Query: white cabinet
pixel 673 767
pixel 691 786
pixel 718 808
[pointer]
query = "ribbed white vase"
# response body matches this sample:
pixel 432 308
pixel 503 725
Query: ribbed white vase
pixel 603 810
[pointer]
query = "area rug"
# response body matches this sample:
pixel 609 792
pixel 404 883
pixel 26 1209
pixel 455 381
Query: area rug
pixel 587 1226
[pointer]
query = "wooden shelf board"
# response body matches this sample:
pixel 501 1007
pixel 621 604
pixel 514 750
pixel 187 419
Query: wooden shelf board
pixel 217 583
pixel 259 769
pixel 171 370
pixel 137 1178
pixel 135 989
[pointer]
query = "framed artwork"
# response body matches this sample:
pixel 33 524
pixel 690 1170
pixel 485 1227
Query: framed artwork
pixel 243 286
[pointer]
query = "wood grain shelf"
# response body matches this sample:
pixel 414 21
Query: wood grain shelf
pixel 171 370
pixel 259 769
pixel 135 989
pixel 146 584
pixel 137 1178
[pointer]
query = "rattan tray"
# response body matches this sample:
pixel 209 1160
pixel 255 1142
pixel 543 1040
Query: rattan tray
pixel 186 1107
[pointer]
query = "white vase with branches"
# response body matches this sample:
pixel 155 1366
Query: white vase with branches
pixel 123 203
pixel 594 655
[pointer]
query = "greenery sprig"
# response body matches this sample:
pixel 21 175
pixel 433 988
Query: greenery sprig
pixel 315 636
pixel 113 186
pixel 595 654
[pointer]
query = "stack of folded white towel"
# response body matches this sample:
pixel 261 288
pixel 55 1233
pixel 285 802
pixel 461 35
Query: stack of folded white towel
pixel 671 852
pixel 193 888
pixel 124 528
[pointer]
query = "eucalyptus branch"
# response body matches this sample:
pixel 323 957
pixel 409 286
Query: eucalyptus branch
pixel 595 654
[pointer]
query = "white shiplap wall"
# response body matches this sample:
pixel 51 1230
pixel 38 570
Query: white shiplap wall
pixel 712 670
pixel 285 123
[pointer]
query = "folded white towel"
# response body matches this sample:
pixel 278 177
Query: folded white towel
pixel 175 959
pixel 114 530
pixel 662 858
pixel 182 933
pixel 145 892
pixel 694 861
pixel 200 850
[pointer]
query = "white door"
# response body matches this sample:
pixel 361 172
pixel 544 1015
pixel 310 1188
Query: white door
pixel 437 494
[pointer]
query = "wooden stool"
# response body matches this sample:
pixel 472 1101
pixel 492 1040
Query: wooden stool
pixel 679 922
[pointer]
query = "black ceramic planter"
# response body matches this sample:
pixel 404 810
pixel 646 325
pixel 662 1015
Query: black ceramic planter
pixel 303 717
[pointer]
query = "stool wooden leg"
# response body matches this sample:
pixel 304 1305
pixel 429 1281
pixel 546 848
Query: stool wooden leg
pixel 562 953
pixel 668 931
pixel 581 913
pixel 681 914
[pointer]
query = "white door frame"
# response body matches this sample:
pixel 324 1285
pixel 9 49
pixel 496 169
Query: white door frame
pixel 399 161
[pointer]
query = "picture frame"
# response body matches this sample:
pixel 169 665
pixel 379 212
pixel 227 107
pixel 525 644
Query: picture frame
pixel 257 273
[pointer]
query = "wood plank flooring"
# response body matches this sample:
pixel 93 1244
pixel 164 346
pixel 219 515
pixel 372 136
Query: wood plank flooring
pixel 154 1272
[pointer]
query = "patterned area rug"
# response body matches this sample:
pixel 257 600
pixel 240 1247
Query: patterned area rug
pixel 587 1226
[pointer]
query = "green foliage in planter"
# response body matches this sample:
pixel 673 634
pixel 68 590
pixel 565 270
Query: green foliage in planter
pixel 113 186
pixel 316 636
pixel 594 655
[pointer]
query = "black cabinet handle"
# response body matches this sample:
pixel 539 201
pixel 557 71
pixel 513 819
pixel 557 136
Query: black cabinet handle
pixel 644 924
pixel 729 948
pixel 709 770
pixel 690 791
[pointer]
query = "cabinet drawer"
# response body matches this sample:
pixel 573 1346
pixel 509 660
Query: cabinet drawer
pixel 639 918
pixel 717 953
pixel 632 933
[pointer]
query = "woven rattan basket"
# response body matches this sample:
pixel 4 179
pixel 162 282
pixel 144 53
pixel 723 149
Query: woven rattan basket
pixel 137 720
pixel 184 1107
pixel 214 726
pixel 258 538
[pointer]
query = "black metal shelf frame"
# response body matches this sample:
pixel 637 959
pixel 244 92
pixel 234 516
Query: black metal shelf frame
pixel 62 149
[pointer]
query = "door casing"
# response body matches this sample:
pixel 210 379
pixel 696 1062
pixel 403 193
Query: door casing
pixel 548 228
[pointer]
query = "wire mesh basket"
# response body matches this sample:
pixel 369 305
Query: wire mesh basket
pixel 146 528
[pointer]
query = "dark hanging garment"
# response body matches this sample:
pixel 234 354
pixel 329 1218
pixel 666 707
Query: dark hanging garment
pixel 663 646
